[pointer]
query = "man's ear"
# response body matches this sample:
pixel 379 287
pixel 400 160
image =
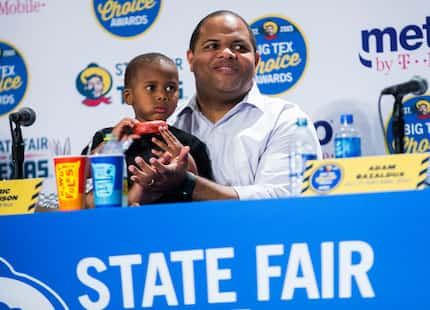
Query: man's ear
pixel 257 58
pixel 127 96
pixel 190 57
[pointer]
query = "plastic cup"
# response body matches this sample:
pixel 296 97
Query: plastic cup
pixel 107 174
pixel 70 175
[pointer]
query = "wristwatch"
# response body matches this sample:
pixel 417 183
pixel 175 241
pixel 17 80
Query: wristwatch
pixel 188 186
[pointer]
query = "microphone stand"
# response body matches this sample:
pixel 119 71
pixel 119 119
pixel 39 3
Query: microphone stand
pixel 17 150
pixel 398 125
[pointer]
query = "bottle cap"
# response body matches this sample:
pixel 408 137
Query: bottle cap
pixel 346 119
pixel 108 137
pixel 302 122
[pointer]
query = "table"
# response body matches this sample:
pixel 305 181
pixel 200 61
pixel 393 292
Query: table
pixel 366 251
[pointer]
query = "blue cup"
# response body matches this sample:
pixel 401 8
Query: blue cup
pixel 107 173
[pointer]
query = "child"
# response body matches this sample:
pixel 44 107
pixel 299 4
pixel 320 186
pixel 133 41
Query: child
pixel 151 87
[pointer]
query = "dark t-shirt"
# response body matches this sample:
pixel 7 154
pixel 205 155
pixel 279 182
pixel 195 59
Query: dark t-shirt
pixel 142 147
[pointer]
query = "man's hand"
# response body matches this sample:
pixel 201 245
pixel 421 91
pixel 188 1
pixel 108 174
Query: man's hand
pixel 163 174
pixel 143 174
pixel 170 176
pixel 138 195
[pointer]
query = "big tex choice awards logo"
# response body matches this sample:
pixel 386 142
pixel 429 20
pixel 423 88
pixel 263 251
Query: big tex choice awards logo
pixel 283 50
pixel 94 82
pixel 416 116
pixel 13 78
pixel 126 18
pixel 401 48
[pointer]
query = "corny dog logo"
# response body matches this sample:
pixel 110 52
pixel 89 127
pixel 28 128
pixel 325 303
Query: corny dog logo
pixel 94 83
pixel 416 115
pixel 19 291
pixel 283 52
pixel 126 18
pixel 13 78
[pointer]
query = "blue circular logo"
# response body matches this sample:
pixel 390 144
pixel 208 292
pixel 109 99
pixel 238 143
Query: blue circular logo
pixel 283 52
pixel 126 18
pixel 326 178
pixel 13 78
pixel 416 115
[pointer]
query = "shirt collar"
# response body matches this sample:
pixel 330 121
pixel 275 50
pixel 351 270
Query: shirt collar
pixel 253 98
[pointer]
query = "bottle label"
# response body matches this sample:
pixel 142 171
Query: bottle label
pixel 107 174
pixel 347 147
pixel 309 157
pixel 296 167
pixel 297 164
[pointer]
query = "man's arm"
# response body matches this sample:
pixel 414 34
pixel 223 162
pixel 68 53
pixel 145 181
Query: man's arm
pixel 208 190
pixel 174 176
pixel 272 175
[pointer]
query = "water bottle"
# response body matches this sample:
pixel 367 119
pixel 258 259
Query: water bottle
pixel 110 167
pixel 347 141
pixel 111 145
pixel 301 148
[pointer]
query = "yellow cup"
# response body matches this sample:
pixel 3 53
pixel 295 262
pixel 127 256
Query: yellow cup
pixel 70 174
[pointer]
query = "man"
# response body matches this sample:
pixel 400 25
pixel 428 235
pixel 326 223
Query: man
pixel 246 133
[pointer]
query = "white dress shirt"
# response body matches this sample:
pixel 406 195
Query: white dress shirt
pixel 247 146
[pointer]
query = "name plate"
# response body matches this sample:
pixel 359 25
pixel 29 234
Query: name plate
pixel 366 174
pixel 19 196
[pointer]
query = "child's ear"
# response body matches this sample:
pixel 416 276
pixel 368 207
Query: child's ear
pixel 127 96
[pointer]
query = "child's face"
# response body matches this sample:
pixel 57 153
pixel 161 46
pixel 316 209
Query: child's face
pixel 154 91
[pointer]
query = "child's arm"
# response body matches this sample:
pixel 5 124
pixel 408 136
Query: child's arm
pixel 122 131
pixel 173 146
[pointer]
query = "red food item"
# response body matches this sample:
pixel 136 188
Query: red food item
pixel 149 127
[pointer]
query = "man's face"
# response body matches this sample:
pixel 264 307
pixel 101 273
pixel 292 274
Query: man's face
pixel 223 60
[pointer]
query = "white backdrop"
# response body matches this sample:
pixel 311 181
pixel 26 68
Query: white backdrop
pixel 59 39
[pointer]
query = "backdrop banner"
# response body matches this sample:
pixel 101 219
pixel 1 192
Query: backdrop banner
pixel 331 57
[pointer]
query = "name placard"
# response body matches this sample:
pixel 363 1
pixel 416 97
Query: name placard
pixel 366 174
pixel 19 196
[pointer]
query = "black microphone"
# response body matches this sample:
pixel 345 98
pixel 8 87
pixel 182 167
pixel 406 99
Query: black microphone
pixel 25 117
pixel 417 85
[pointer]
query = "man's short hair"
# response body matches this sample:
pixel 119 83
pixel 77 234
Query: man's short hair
pixel 196 33
pixel 142 60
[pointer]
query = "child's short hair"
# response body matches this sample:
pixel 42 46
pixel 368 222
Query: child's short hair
pixel 144 59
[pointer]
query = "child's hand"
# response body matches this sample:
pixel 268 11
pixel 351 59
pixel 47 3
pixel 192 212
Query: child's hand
pixel 122 131
pixel 172 146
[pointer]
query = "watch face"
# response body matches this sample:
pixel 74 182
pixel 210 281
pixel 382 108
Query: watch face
pixel 188 186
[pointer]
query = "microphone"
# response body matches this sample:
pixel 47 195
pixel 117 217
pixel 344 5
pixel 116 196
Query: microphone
pixel 417 85
pixel 25 117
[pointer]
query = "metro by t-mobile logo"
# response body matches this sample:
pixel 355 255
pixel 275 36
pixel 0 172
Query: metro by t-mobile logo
pixel 387 48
